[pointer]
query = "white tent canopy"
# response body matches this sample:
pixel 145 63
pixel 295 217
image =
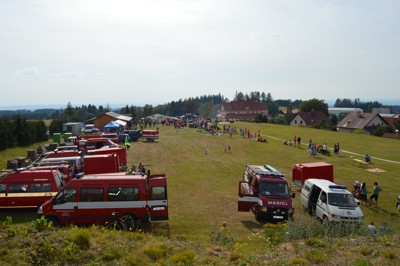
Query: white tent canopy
pixel 122 123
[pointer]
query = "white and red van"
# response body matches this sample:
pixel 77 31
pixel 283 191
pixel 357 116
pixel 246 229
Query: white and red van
pixel 94 199
pixel 150 135
pixel 29 188
pixel 266 192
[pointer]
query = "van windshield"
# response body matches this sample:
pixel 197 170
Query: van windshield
pixel 274 189
pixel 341 199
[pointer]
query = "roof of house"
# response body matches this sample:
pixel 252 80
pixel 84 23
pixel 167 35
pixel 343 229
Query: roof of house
pixel 357 120
pixel 313 117
pixel 244 105
pixel 118 116
pixel 241 116
pixel 392 121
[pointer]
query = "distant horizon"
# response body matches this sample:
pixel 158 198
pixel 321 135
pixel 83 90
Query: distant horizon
pixel 33 107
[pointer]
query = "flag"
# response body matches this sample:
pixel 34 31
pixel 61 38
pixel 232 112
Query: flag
pixel 127 143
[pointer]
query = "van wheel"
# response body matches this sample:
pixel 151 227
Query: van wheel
pixel 325 221
pixel 53 221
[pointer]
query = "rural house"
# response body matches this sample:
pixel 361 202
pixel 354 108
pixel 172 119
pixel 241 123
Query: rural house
pixel 368 122
pixel 309 118
pixel 243 110
pixel 106 118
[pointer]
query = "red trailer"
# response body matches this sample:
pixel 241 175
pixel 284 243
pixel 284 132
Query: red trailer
pixel 121 153
pixel 303 171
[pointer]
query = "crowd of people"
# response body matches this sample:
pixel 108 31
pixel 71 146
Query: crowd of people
pixel 361 193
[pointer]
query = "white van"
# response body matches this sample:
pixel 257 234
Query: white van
pixel 330 202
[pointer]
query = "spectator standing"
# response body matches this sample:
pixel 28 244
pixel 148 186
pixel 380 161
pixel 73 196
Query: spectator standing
pixel 298 141
pixel 294 141
pixel 375 194
pixel 363 193
pixel 371 230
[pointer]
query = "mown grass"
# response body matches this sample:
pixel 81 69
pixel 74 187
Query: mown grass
pixel 202 190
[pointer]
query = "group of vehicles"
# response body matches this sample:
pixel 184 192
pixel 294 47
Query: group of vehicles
pixel 265 191
pixel 86 183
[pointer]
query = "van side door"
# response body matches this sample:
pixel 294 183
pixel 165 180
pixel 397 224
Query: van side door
pixel 322 208
pixel 247 198
pixel 157 198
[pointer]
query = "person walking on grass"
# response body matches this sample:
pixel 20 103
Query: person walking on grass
pixel 375 194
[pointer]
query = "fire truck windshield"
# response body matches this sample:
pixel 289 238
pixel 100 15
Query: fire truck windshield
pixel 274 189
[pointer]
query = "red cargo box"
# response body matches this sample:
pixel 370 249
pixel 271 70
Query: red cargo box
pixel 101 164
pixel 304 171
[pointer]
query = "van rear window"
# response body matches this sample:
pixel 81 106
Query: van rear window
pixel 123 193
pixel 3 187
pixel 158 193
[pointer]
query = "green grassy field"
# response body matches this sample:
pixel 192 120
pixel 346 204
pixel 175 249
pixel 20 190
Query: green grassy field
pixel 203 192
pixel 203 188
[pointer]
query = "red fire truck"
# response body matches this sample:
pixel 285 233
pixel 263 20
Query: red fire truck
pixel 29 188
pixel 265 191
pixel 95 199
pixel 150 135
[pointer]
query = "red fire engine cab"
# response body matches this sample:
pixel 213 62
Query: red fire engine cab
pixel 266 192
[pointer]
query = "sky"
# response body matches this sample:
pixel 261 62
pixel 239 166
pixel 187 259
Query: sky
pixel 156 51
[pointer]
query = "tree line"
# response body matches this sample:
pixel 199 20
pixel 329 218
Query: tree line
pixel 20 132
pixel 18 129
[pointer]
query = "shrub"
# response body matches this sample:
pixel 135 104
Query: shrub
pixel 135 259
pixel 41 223
pixel 112 254
pixel 182 258
pixel 361 262
pixel 316 256
pixel 43 254
pixel 298 261
pixel 82 239
pixel 275 233
pixel 157 252
pixel 7 221
pixel 221 236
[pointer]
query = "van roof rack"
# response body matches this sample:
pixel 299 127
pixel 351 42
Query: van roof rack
pixel 263 171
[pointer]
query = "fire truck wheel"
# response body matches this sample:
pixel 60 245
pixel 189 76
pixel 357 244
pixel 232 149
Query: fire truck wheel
pixel 52 220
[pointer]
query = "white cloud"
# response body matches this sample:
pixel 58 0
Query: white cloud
pixel 32 71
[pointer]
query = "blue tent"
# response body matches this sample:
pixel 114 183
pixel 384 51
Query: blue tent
pixel 112 124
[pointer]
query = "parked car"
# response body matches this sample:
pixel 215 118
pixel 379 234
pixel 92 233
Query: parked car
pixel 122 137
